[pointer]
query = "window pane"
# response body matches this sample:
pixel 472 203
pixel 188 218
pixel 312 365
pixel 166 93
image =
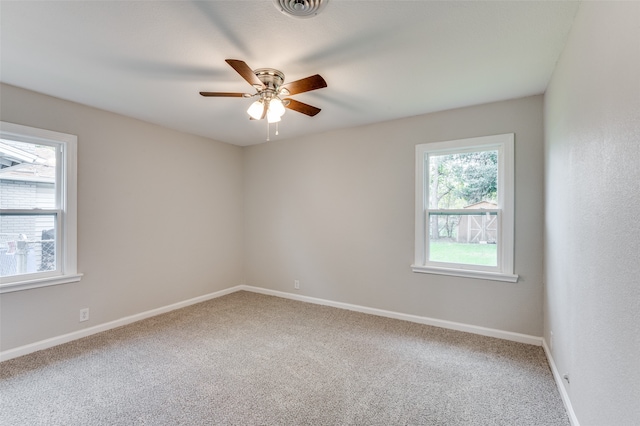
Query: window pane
pixel 462 180
pixel 27 175
pixel 465 239
pixel 27 244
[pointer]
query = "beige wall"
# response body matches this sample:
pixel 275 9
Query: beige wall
pixel 592 232
pixel 162 217
pixel 159 219
pixel 336 211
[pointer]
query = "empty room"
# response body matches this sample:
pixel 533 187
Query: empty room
pixel 319 212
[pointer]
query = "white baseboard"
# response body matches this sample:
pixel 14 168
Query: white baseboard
pixel 490 332
pixel 58 340
pixel 563 391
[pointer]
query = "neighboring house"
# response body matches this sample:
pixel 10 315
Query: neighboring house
pixel 27 181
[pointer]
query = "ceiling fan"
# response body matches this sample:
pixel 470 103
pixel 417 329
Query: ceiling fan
pixel 270 89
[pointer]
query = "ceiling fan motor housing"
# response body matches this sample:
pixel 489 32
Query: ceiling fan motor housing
pixel 272 79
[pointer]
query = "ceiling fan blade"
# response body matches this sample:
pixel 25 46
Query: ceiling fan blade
pixel 245 72
pixel 226 94
pixel 301 107
pixel 305 85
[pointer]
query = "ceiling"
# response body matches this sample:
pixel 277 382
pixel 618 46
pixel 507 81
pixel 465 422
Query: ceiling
pixel 381 60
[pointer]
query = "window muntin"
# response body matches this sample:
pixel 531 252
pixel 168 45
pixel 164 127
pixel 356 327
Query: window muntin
pixel 464 208
pixel 37 207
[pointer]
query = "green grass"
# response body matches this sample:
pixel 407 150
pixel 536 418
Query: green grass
pixel 471 254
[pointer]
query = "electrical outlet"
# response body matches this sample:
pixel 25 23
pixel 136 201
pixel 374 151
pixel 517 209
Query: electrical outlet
pixel 84 314
pixel 296 284
pixel 551 340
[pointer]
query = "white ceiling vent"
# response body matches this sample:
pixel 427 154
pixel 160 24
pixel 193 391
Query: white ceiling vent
pixel 301 8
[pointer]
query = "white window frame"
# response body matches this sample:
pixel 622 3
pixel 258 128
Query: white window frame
pixel 505 146
pixel 65 209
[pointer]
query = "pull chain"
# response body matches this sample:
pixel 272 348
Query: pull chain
pixel 269 130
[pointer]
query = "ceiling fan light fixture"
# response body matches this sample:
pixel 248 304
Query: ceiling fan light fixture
pixel 272 117
pixel 276 107
pixel 256 109
pixel 301 8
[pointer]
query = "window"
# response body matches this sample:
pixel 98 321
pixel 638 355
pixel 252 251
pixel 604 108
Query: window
pixel 37 207
pixel 465 208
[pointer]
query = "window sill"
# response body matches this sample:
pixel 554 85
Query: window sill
pixel 483 275
pixel 40 282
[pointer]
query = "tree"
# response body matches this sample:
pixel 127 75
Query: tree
pixel 458 180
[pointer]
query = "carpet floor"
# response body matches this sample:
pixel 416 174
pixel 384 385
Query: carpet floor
pixel 251 359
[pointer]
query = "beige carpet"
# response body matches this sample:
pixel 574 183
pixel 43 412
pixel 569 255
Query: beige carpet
pixel 250 359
